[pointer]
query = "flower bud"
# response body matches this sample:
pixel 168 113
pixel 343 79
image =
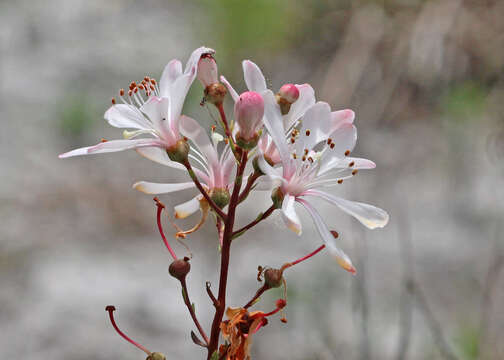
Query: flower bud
pixel 156 356
pixel 255 165
pixel 180 268
pixel 277 197
pixel 286 96
pixel 220 197
pixel 179 151
pixel 207 70
pixel 273 277
pixel 215 93
pixel 248 112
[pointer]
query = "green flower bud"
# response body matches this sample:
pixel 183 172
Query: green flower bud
pixel 179 151
pixel 247 144
pixel 220 197
pixel 156 356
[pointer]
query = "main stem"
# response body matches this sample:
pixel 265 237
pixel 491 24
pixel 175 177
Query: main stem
pixel 225 253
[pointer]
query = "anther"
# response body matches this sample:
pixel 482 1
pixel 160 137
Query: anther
pixel 146 79
pixel 335 234
pixel 351 164
pixel 332 145
pixel 303 158
pixel 329 141
pixel 293 140
pixel 294 156
pixel 306 151
pixel 103 140
pixel 310 159
pixel 347 152
pixel 130 92
pixel 113 101
pixel 213 128
pixel 111 309
pixel 152 87
pixel 121 92
pixel 153 82
pixel 307 133
pixel 340 181
pixel 141 87
pixel 355 172
pixel 135 90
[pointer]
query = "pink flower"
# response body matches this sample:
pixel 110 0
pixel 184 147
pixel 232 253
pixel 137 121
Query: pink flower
pixel 151 110
pixel 214 171
pixel 315 157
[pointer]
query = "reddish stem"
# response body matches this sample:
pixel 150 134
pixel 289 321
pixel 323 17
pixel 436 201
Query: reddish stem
pixel 226 247
pixel 160 208
pixel 220 107
pixel 250 182
pixel 259 292
pixel 260 218
pixel 111 310
pixel 307 256
pixel 191 310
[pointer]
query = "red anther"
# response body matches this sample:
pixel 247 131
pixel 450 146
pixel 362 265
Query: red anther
pixel 160 207
pixel 340 181
pixel 146 79
pixel 111 309
pixel 351 164
pixel 153 82
pixel 121 92
pixel 334 234
pixel 152 87
pixel 347 152
pixel 284 320
pixel 332 145
pixel 135 90
pixel 141 87
pixel 113 101
pixel 307 133
pixel 103 140
pixel 354 172
pixel 130 92
pixel 281 303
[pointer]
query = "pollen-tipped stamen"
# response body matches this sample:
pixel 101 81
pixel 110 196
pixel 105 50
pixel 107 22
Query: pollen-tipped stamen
pixel 111 309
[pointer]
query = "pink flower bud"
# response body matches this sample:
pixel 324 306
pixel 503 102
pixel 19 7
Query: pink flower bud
pixel 289 92
pixel 248 112
pixel 207 70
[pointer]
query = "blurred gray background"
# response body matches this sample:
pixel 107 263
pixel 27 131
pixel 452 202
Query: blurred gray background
pixel 425 79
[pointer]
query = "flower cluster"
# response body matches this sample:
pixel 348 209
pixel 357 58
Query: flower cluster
pixel 298 147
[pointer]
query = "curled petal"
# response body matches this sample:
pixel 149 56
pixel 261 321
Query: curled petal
pixel 111 146
pixel 289 214
pixel 156 188
pixel 369 215
pixel 254 77
pixel 340 256
pixel 298 109
pixel 188 208
pixel 232 91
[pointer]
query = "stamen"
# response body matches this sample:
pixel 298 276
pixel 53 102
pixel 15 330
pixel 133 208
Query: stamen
pixel 288 265
pixel 160 207
pixel 329 141
pixel 307 133
pixel 280 304
pixel 113 101
pixel 306 151
pixel 141 87
pixel 294 156
pixel 355 172
pixel 351 164
pixel 111 309
pixel 303 158
pixel 293 140
pixel 340 181
pixel 130 92
pixel 347 152
pixel 332 145
pixel 121 92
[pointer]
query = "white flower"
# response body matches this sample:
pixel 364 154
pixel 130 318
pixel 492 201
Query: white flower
pixel 316 157
pixel 213 170
pixel 151 110
pixel 256 82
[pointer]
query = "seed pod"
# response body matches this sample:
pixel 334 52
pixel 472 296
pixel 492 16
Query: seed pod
pixel 180 268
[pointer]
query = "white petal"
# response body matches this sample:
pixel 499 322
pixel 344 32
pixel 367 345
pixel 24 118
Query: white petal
pixel 328 163
pixel 188 208
pixel 156 109
pixel 298 109
pixel 316 120
pixel 274 124
pixel 156 188
pixel 289 215
pixel 342 258
pixel 171 72
pixel 110 146
pixel 232 92
pixel 254 77
pixel 340 117
pixel 193 60
pixel 160 156
pixel 369 215
pixel 344 138
pixel 126 116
